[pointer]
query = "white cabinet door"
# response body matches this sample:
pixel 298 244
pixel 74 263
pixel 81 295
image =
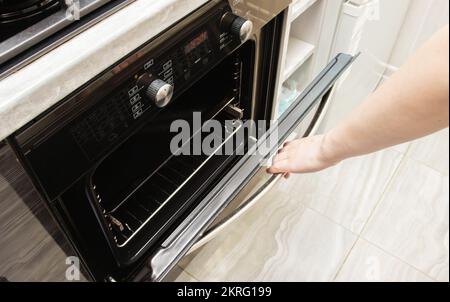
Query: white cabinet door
pixel 372 28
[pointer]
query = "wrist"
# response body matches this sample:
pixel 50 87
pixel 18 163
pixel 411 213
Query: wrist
pixel 331 149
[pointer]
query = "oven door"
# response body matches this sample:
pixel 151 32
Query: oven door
pixel 196 225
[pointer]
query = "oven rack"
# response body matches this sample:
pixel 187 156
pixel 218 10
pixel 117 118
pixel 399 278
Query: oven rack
pixel 127 219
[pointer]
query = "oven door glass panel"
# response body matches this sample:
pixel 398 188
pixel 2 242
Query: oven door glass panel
pixel 198 221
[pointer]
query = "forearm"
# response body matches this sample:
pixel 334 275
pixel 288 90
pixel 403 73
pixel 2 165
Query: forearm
pixel 412 104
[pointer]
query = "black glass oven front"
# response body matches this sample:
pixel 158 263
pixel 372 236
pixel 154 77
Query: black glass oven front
pixel 102 157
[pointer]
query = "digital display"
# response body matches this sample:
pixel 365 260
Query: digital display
pixel 196 42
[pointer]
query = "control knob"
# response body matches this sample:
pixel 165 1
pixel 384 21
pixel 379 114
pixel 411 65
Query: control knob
pixel 158 91
pixel 237 26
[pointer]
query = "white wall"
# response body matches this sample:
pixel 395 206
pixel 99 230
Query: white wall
pixel 424 18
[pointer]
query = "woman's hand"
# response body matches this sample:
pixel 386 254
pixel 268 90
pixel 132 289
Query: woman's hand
pixel 305 155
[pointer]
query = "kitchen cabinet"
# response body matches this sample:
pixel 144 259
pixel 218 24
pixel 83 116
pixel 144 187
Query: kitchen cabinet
pixel 306 43
pixel 370 28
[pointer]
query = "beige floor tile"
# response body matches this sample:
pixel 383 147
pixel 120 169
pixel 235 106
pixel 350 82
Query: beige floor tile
pixel 433 151
pixel 368 263
pixel 278 240
pixel 179 275
pixel 348 193
pixel 412 221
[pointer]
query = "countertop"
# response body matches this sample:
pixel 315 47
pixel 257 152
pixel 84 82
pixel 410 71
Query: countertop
pixel 35 88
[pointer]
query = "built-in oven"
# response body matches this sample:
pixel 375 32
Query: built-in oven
pixel 122 161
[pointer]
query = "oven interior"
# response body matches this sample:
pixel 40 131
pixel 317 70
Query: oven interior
pixel 144 185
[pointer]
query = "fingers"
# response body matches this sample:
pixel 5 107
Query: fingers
pixel 280 157
pixel 290 144
pixel 282 166
pixel 284 152
pixel 281 163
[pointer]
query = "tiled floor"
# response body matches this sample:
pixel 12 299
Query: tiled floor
pixel 383 217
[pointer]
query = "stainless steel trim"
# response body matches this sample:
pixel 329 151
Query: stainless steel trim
pixel 43 29
pixel 47 27
pixel 260 12
pixel 235 112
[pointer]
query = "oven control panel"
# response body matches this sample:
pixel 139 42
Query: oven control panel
pixel 163 78
pixel 167 74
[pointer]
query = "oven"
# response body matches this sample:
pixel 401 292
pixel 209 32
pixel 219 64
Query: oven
pixel 129 200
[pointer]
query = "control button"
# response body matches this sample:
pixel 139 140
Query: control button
pixel 167 65
pixel 168 73
pixel 149 64
pixel 133 91
pixel 138 114
pixel 237 26
pixel 158 91
pixel 137 107
pixel 135 99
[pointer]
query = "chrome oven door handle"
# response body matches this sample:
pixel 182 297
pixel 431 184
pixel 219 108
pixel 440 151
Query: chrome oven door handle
pixel 243 208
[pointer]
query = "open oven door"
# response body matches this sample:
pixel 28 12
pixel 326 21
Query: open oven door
pixel 196 225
